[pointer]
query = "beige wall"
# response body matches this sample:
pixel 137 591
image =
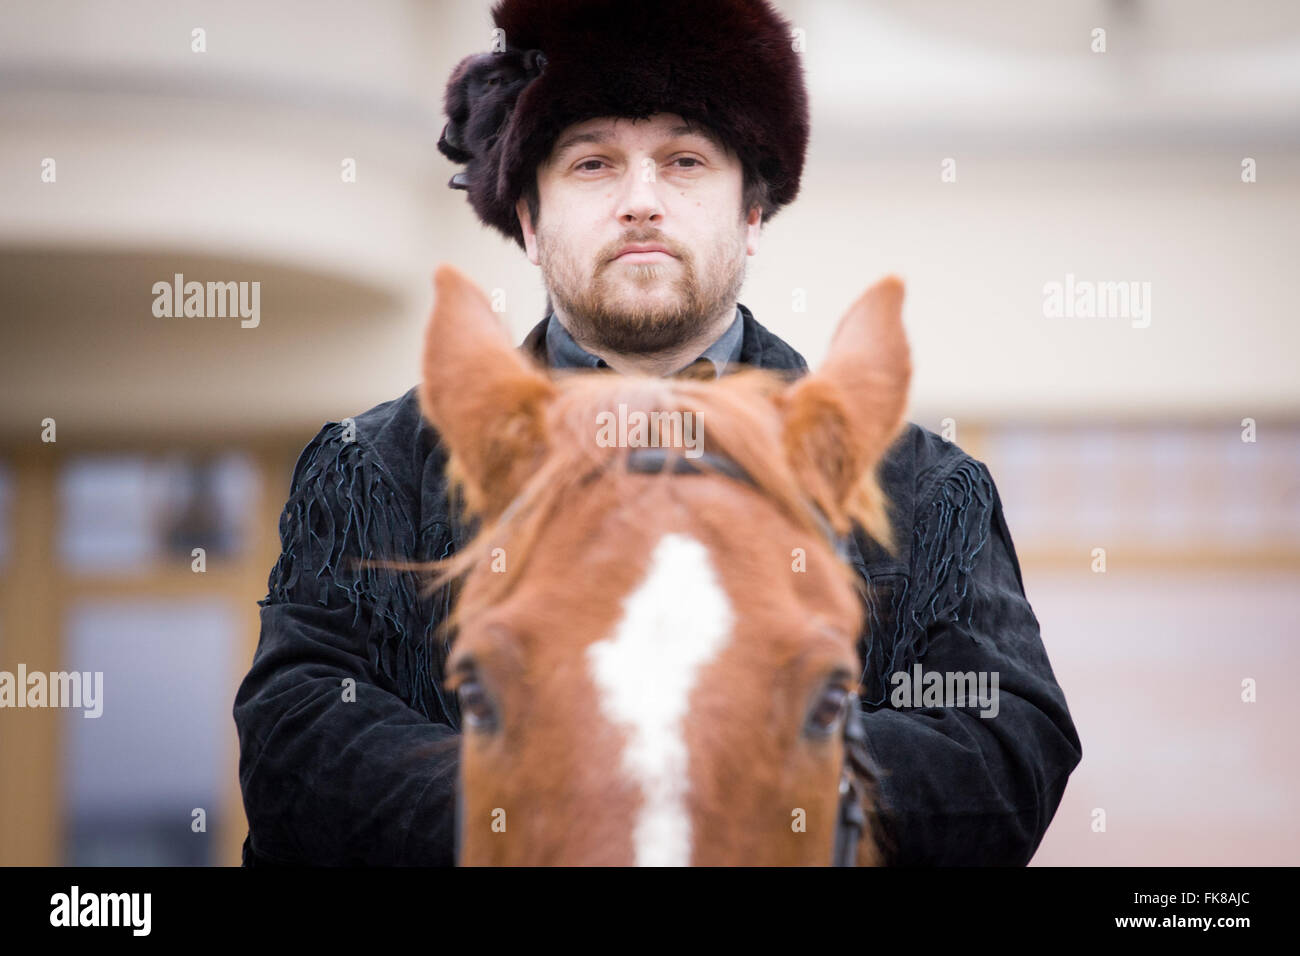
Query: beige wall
pixel 1114 167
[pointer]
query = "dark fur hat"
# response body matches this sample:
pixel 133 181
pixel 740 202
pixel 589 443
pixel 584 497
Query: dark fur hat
pixel 728 64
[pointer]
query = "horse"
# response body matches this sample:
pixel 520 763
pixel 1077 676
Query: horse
pixel 655 642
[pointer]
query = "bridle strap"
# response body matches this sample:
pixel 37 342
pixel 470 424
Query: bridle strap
pixel 858 772
pixel 651 461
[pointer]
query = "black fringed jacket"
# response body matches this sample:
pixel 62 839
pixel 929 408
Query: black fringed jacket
pixel 373 780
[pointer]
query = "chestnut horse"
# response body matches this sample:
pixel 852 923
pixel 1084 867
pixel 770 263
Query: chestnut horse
pixel 655 667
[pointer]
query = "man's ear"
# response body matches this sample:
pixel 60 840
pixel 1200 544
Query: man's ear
pixel 839 422
pixel 527 229
pixel 753 230
pixel 485 399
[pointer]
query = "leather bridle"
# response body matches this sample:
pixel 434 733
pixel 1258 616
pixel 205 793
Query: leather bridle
pixel 858 778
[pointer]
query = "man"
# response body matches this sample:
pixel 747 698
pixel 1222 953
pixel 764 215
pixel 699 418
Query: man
pixel 636 172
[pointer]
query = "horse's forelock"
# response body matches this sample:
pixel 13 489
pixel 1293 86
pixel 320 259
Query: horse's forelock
pixel 739 421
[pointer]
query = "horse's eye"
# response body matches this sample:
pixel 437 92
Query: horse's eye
pixel 475 705
pixel 826 713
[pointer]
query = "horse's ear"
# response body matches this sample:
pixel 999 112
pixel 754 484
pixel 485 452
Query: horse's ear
pixel 839 421
pixel 485 399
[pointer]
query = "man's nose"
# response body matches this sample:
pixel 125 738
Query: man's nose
pixel 639 199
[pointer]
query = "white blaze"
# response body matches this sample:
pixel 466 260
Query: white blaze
pixel 673 624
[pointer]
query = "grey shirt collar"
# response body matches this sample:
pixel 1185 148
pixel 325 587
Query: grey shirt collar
pixel 564 352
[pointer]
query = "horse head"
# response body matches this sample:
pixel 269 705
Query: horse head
pixel 655 664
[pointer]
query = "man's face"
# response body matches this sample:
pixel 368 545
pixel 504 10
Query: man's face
pixel 611 182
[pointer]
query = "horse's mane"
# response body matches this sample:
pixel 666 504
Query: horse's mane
pixel 741 423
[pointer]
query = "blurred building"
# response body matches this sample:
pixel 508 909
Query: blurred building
pixel 984 152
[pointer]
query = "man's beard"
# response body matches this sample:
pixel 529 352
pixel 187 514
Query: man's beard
pixel 605 311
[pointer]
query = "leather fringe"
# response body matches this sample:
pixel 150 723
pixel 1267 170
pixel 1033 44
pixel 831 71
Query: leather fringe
pixel 343 506
pixel 946 541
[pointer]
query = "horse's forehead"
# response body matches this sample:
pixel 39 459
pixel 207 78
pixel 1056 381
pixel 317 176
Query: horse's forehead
pixel 673 622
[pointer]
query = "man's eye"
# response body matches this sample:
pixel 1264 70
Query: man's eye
pixel 585 162
pixel 688 159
